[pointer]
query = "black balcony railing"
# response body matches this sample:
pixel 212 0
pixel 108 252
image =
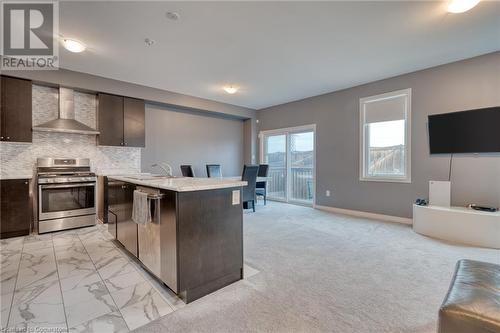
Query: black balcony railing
pixel 301 183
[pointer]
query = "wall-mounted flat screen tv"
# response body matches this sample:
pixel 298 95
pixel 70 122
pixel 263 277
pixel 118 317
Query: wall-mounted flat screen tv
pixel 473 131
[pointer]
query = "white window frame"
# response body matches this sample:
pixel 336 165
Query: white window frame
pixel 287 131
pixel 363 142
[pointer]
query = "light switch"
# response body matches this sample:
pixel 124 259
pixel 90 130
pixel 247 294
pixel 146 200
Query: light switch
pixel 236 197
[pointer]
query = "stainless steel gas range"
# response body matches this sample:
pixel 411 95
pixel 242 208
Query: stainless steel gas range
pixel 66 194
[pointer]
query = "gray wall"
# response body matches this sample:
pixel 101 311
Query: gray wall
pixel 462 85
pixel 250 136
pixel 182 137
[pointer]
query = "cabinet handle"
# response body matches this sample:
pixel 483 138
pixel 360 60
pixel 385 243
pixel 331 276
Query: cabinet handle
pixel 121 143
pixel 124 186
pixel 8 138
pixel 1 137
pixel 125 143
pixel 25 183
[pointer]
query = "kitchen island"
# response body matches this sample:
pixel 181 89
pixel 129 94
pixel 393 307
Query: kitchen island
pixel 194 242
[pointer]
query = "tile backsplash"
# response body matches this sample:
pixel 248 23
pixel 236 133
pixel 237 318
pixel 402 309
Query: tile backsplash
pixel 20 158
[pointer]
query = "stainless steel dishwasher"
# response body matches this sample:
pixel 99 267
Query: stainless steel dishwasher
pixel 157 240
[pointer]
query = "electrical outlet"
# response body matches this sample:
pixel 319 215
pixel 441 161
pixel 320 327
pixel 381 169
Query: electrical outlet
pixel 327 193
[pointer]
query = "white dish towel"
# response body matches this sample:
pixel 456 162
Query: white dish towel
pixel 141 211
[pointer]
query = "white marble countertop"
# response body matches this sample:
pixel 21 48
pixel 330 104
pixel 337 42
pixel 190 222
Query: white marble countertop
pixel 111 172
pixel 16 176
pixel 180 184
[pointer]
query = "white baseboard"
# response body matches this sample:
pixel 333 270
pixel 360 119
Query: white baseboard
pixel 373 216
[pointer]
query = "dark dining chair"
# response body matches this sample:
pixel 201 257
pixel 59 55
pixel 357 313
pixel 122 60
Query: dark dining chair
pixel 260 187
pixel 187 171
pixel 250 176
pixel 214 170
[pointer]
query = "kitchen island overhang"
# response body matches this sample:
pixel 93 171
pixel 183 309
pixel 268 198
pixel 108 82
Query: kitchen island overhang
pixel 194 241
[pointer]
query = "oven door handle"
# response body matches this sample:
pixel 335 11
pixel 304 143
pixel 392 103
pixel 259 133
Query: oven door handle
pixel 66 185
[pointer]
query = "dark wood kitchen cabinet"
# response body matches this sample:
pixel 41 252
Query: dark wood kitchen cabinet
pixel 193 242
pixel 134 122
pixel 121 121
pixel 15 208
pixel 15 110
pixel 110 114
pixel 119 198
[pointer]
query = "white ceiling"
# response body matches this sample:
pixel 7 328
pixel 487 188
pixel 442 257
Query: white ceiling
pixel 275 51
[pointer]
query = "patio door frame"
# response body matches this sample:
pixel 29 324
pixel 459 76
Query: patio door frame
pixel 287 131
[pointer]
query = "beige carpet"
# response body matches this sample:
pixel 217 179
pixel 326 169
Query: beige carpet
pixel 321 272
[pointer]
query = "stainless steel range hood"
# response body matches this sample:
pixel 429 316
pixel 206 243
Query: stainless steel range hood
pixel 66 123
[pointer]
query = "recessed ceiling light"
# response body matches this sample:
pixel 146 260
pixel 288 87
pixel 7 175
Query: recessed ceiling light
pixel 73 45
pixel 460 6
pixel 230 89
pixel 174 16
pixel 149 41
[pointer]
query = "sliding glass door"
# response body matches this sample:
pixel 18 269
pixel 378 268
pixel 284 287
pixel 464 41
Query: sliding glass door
pixel 290 155
pixel 275 155
pixel 301 167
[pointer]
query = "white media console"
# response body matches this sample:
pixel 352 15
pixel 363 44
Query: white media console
pixel 458 224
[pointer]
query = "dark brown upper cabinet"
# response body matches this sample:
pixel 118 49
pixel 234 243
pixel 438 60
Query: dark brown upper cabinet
pixel 121 121
pixel 15 208
pixel 110 121
pixel 15 110
pixel 134 122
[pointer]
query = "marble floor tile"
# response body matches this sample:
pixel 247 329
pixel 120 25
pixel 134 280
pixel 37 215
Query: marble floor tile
pixel 91 234
pixel 39 273
pixel 78 281
pixel 37 252
pixel 10 260
pixel 35 245
pixel 33 238
pixel 74 265
pixel 39 306
pixel 87 230
pixel 74 279
pixel 125 253
pixel 70 250
pixel 8 281
pixel 67 240
pixel 140 304
pixel 6 301
pixel 107 235
pixel 93 290
pixel 124 280
pixel 115 268
pixel 37 241
pixel 97 248
pixel 168 295
pixel 15 243
pixel 105 258
pixel 109 323
pixel 36 258
pixel 81 312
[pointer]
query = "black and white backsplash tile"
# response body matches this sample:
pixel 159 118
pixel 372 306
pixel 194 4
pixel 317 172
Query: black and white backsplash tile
pixel 19 158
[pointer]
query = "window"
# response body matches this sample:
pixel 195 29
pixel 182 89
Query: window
pixel 385 137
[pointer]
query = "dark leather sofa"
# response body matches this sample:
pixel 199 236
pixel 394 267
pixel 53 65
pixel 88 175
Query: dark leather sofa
pixel 472 304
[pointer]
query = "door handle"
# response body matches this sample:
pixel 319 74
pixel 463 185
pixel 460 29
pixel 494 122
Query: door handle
pixel 73 185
